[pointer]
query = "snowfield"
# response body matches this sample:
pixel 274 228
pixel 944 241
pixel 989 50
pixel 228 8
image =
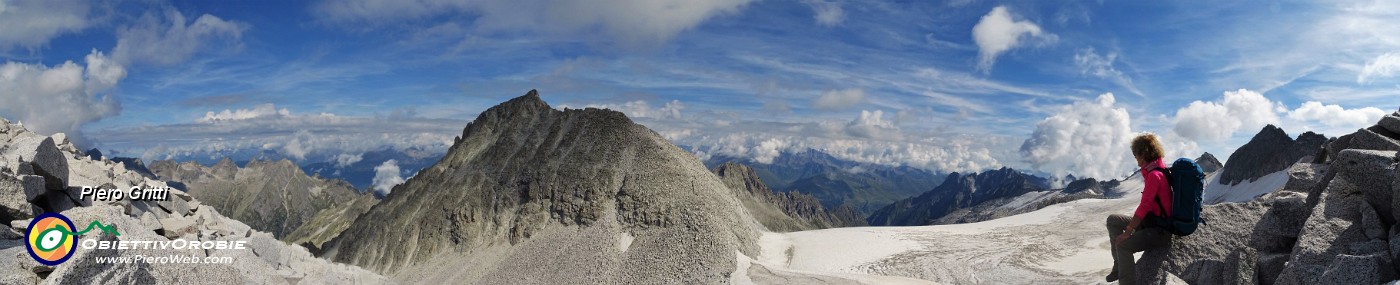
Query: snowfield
pixel 1060 244
pixel 1244 191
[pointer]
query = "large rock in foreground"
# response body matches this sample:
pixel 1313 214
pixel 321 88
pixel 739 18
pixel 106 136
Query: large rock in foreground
pixel 1342 232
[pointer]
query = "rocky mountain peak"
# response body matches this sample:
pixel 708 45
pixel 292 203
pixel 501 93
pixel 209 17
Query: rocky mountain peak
pixel 529 108
pixel 526 182
pixel 1269 151
pixel 959 191
pixel 1209 163
pixel 1083 184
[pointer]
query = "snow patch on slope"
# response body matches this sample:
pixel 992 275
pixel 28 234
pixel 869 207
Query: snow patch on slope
pixel 1062 243
pixel 1217 192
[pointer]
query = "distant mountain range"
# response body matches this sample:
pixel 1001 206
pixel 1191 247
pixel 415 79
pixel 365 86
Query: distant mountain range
pixel 272 196
pixel 836 182
pixel 357 169
pixel 783 211
pixel 959 191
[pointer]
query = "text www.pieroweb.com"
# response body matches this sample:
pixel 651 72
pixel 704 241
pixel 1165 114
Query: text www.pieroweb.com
pixel 167 259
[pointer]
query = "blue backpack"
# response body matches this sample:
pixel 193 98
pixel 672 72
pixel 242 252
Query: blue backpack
pixel 1187 183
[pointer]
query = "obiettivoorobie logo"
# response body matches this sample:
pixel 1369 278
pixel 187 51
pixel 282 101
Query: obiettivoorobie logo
pixel 51 239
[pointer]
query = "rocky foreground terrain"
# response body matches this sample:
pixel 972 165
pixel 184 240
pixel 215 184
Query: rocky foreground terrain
pixel 45 174
pixel 1333 222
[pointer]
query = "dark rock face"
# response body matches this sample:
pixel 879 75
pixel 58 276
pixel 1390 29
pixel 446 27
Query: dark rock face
pixel 957 192
pixel 1271 150
pixel 1333 223
pixel 787 211
pixel 573 196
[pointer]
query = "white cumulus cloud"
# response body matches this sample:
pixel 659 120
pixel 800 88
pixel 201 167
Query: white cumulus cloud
pixel 1383 66
pixel 345 160
pixel 837 99
pixel 1087 139
pixel 1217 120
pixel 386 175
pixel 1000 31
pixel 60 98
pixel 260 111
pixel 872 125
pixel 1336 116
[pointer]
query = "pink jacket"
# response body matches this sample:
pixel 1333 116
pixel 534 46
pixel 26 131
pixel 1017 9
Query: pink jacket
pixel 1154 185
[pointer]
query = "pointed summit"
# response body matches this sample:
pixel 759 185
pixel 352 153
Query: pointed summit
pixel 1271 150
pixel 526 182
pixel 1209 163
pixel 528 109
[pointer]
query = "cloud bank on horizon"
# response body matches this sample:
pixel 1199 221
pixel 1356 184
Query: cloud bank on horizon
pixel 948 86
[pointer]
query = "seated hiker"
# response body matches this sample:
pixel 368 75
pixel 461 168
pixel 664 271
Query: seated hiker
pixel 1134 234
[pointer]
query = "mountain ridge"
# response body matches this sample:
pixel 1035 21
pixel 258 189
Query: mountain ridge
pixel 525 182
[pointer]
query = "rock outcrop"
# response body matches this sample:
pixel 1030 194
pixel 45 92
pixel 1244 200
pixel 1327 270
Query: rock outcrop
pixel 957 192
pixel 534 194
pixel 26 191
pixel 1269 151
pixel 1333 223
pixel 782 212
pixel 272 196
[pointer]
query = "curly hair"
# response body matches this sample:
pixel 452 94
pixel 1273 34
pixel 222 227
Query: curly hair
pixel 1146 147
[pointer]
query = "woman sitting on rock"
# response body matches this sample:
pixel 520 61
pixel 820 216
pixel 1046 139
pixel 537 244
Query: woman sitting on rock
pixel 1130 234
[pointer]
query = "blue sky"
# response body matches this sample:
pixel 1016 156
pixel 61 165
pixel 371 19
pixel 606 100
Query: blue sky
pixel 946 85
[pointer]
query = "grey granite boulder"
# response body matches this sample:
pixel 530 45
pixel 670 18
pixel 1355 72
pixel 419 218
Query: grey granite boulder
pixel 1391 123
pixel 1240 267
pixel 50 163
pixel 1279 227
pixel 1372 140
pixel 1371 173
pixel 1334 225
pixel 1339 144
pixel 1358 269
pixel 1270 266
pixel 13 204
pixel 1199 258
pixel 1371 222
pixel 33 186
pixel 1305 176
